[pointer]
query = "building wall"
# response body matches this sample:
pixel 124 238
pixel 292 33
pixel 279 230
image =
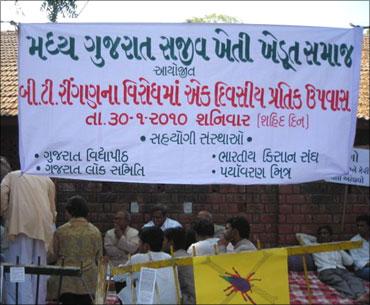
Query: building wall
pixel 276 212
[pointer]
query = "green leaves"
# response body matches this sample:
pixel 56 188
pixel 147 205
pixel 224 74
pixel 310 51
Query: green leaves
pixel 56 7
pixel 213 18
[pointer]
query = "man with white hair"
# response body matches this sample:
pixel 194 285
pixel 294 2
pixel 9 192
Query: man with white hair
pixel 219 230
pixel 122 240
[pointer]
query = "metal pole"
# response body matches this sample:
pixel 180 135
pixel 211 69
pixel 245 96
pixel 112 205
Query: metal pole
pixel 60 283
pixel 37 281
pixel 176 278
pixel 307 280
pixel 16 286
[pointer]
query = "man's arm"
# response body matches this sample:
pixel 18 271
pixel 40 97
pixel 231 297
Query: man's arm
pixel 358 260
pixel 346 258
pixel 5 190
pixel 222 244
pixel 305 239
pixel 51 195
pixel 99 252
pixel 129 244
pixel 54 254
pixel 110 245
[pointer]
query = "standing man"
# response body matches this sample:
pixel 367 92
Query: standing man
pixel 28 208
pixel 122 240
pixel 160 219
pixel 361 255
pixel 219 230
pixel 237 233
pixel 77 243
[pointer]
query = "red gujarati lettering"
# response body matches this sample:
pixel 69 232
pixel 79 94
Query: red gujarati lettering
pixel 332 99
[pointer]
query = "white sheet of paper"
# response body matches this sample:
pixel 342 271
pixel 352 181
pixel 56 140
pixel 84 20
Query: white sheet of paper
pixel 17 275
pixel 147 286
pixel 125 294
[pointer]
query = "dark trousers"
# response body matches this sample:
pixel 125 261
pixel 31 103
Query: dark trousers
pixel 75 299
pixel 343 281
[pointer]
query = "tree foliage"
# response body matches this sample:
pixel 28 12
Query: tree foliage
pixel 213 18
pixel 56 7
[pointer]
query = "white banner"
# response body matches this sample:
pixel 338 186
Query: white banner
pixel 187 103
pixel 358 169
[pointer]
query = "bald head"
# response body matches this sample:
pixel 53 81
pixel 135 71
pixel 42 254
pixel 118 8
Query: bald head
pixel 205 215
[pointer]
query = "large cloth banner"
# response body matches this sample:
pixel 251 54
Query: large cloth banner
pixel 187 103
pixel 256 277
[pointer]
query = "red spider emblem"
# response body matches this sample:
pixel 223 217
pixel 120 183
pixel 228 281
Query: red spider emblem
pixel 239 284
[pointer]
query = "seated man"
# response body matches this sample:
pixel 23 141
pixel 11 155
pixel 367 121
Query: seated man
pixel 330 266
pixel 237 233
pixel 206 242
pixel 160 219
pixel 361 255
pixel 219 230
pixel 176 237
pixel 150 246
pixel 122 240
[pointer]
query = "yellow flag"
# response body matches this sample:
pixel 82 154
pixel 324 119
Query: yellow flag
pixel 256 277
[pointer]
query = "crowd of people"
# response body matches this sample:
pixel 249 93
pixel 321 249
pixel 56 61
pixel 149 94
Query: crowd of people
pixel 28 211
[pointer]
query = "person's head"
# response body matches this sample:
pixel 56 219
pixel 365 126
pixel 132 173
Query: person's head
pixel 363 225
pixel 77 206
pixel 175 237
pixel 237 228
pixel 5 167
pixel 158 214
pixel 204 229
pixel 122 219
pixel 204 214
pixel 151 239
pixel 324 234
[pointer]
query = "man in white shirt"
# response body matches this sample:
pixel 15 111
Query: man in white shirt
pixel 122 240
pixel 160 219
pixel 150 246
pixel 330 266
pixel 361 255
pixel 237 233
pixel 206 242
